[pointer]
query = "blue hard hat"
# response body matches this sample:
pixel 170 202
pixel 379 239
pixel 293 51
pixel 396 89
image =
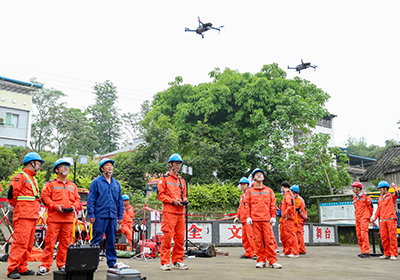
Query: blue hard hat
pixel 257 170
pixel 383 184
pixel 244 180
pixel 32 156
pixel 125 197
pixel 60 161
pixel 103 161
pixel 295 188
pixel 175 157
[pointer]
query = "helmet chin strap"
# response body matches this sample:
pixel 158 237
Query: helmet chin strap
pixel 34 166
pixel 108 173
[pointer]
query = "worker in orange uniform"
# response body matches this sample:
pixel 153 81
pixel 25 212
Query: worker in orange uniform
pixel 288 231
pixel 61 198
pixel 300 219
pixel 363 212
pixel 172 192
pixel 23 195
pixel 386 213
pixel 261 212
pixel 127 219
pixel 247 231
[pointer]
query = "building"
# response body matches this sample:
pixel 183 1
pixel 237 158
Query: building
pixel 358 165
pixel 130 148
pixel 15 112
pixel 387 166
pixel 324 126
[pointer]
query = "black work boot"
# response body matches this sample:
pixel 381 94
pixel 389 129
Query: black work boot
pixel 14 275
pixel 28 273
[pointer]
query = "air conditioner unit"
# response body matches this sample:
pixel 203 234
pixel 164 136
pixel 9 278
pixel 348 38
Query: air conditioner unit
pixel 2 121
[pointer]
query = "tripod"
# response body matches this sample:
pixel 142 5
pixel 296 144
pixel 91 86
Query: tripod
pixel 187 239
pixel 142 255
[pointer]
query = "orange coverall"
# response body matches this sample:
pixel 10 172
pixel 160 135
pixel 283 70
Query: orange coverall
pixel 25 199
pixel 127 223
pixel 172 188
pixel 261 207
pixel 386 213
pixel 247 231
pixel 363 212
pixel 59 225
pixel 288 234
pixel 301 216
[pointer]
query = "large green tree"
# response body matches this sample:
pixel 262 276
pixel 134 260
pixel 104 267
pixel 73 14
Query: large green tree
pixel 105 117
pixel 73 134
pixel 361 148
pixel 48 103
pixel 238 110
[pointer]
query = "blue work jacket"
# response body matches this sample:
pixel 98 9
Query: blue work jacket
pixel 105 200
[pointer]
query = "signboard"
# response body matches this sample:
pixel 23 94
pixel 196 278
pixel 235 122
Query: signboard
pixel 230 233
pixel 337 213
pixel 200 232
pixel 323 234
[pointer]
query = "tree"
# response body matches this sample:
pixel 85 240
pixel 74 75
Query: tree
pixel 240 112
pixel 73 134
pixel 360 147
pixel 105 118
pixel 9 162
pixel 126 169
pixel 48 103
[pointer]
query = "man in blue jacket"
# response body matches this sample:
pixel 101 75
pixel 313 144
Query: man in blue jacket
pixel 105 206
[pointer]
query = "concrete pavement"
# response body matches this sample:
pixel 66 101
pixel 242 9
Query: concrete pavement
pixel 320 262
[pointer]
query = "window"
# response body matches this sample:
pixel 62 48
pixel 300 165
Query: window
pixel 12 120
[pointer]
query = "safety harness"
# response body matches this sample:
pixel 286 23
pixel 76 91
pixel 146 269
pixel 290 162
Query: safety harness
pixel 34 189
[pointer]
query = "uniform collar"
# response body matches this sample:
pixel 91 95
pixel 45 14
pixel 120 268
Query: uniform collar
pixel 170 174
pixel 105 179
pixel 29 172
pixel 66 182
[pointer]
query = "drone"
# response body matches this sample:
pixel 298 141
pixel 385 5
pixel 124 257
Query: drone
pixel 203 27
pixel 302 66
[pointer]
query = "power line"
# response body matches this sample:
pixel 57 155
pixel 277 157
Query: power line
pixel 72 78
pixel 87 88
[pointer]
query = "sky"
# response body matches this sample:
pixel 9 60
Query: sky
pixel 141 46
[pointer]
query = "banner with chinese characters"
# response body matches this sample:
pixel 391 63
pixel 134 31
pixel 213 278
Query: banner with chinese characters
pixel 200 232
pixel 323 234
pixel 230 233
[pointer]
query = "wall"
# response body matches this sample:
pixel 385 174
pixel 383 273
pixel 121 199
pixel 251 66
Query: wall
pixel 226 233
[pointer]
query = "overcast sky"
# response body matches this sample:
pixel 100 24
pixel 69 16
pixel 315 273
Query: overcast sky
pixel 140 46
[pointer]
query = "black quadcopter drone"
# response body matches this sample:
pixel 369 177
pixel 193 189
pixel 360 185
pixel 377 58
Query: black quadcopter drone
pixel 302 66
pixel 203 27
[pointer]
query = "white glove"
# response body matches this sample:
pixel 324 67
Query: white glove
pixel 11 208
pixel 273 224
pixel 272 220
pixel 235 220
pixel 249 221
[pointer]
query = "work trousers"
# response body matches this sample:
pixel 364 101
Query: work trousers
pixel 127 230
pixel 300 237
pixel 388 232
pixel 289 238
pixel 173 226
pixel 106 226
pixel 362 235
pixel 248 240
pixel 262 237
pixel 21 246
pixel 62 231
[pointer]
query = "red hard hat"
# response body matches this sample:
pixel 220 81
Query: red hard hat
pixel 357 184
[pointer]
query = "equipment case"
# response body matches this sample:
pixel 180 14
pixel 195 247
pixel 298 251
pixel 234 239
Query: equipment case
pixel 124 273
pixel 82 262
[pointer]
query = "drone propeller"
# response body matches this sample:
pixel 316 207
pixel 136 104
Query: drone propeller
pixel 219 28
